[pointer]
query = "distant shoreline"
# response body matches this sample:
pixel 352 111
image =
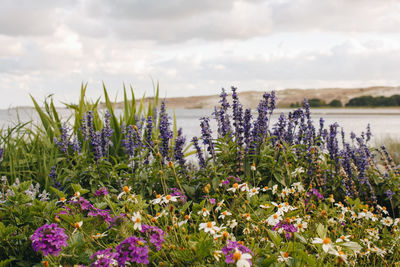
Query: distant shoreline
pixel 285 97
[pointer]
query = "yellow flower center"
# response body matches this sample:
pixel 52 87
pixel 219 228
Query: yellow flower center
pixel 224 213
pixel 168 197
pixel 235 185
pixel 204 209
pixel 300 226
pixel 209 224
pixel 158 196
pixel 225 234
pixel 62 199
pixel 275 216
pixel 126 189
pixel 266 187
pixel 237 255
pixel 186 217
pixel 77 225
pixel 343 237
pixel 326 241
pixel 137 220
pixel 285 254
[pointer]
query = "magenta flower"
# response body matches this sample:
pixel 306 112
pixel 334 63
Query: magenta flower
pixel 49 239
pixel 101 192
pixel 101 213
pixel 132 250
pixel 156 235
pixel 104 258
pixel 231 248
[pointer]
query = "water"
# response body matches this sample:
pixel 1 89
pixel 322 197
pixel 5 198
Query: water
pixel 384 122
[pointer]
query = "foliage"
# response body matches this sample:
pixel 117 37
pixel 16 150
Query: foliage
pixel 377 101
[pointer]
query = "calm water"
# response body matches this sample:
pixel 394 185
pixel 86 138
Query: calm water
pixel 384 122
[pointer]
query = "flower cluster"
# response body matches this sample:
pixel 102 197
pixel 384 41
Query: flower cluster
pixel 49 239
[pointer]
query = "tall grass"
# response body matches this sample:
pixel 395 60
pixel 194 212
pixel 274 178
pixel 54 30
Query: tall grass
pixel 29 148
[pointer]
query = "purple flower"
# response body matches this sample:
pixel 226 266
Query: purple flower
pixel 53 176
pixel 237 118
pixel 49 239
pixel 229 250
pixel 315 192
pixel 389 193
pixel 247 128
pixel 178 149
pixel 155 234
pixel 132 139
pixel 287 227
pixel 106 133
pixel 101 213
pixel 118 219
pixel 104 258
pixel 206 135
pixel 165 132
pixel 212 201
pixel 63 140
pixel 177 192
pixel 132 250
pixel 101 192
pixel 200 156
pixel 222 116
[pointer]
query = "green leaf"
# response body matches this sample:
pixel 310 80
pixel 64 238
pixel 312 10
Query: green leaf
pixel 352 245
pixel 78 188
pixel 321 231
pixel 204 247
pixel 275 237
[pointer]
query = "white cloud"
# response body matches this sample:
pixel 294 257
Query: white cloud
pixel 194 47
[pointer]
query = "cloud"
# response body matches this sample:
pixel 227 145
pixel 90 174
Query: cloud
pixel 194 47
pixel 31 18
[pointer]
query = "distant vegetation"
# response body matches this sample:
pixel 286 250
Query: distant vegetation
pixel 316 102
pixel 370 101
pixel 361 101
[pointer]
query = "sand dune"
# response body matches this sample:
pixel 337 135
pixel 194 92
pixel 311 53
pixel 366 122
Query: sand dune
pixel 285 97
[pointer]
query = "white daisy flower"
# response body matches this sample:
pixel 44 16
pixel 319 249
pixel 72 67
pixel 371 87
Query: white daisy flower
pixel 343 238
pixel 157 200
pixel 204 212
pixel 326 243
pixel 254 191
pixel 137 219
pixel 169 198
pixel 223 214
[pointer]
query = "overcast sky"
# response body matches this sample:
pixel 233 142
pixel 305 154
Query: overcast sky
pixel 194 47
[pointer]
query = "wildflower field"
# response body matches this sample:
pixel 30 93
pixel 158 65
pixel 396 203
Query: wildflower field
pixel 107 188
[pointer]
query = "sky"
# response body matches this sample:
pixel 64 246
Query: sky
pixel 193 47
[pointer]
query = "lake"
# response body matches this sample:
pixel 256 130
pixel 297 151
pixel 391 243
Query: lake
pixel 385 122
